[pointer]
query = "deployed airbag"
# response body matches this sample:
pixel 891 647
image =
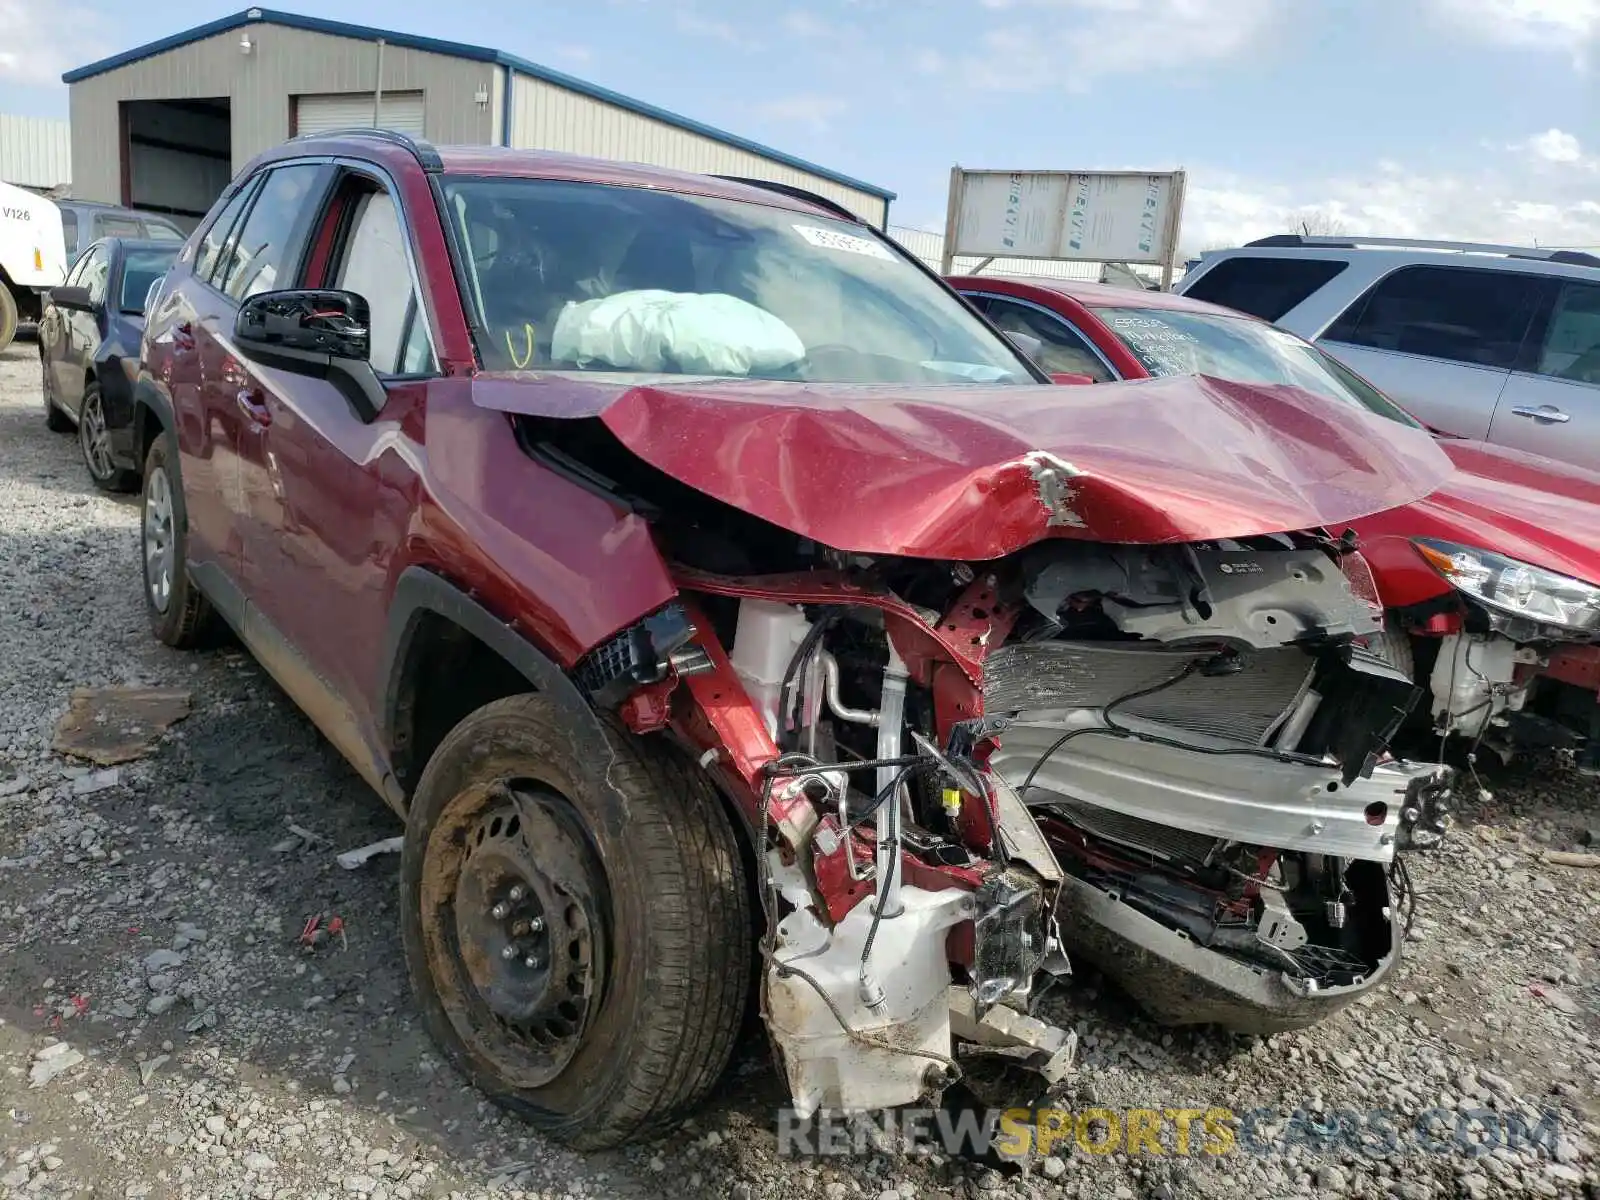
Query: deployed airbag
pixel 680 332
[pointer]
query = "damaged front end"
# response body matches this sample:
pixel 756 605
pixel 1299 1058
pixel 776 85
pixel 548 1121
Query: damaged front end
pixel 1100 728
pixel 1169 760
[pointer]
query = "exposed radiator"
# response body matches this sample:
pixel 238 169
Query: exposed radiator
pixel 1242 707
pixel 1162 841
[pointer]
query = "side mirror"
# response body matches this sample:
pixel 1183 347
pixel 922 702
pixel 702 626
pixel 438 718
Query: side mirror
pixel 1068 377
pixel 1027 343
pixel 321 334
pixel 75 298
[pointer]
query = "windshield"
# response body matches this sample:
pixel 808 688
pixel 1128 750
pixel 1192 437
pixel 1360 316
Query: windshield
pixel 140 270
pixel 1240 350
pixel 582 276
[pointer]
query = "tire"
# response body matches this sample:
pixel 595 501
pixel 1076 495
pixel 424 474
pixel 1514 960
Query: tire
pixel 8 317
pixel 179 614
pixel 94 443
pixel 666 928
pixel 55 420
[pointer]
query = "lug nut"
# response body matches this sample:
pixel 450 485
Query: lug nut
pixel 509 953
pixel 516 893
pixel 536 925
pixel 500 911
pixel 531 961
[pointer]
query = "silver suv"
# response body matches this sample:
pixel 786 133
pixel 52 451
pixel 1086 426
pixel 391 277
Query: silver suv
pixel 1496 343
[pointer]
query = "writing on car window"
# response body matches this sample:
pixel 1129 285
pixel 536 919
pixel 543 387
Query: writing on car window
pixel 1239 349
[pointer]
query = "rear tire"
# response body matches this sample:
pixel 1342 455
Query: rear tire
pixel 179 614
pixel 650 915
pixel 8 317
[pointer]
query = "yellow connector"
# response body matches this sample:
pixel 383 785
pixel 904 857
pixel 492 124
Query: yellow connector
pixel 952 801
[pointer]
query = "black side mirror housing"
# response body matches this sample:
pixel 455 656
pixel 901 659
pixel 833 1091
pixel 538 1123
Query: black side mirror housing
pixel 323 334
pixel 74 298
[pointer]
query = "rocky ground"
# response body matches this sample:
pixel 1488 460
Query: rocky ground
pixel 163 1031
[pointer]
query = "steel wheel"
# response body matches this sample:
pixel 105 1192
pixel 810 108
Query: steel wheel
pixel 512 902
pixel 93 437
pixel 160 555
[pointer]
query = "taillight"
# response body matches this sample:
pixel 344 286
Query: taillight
pixel 38 259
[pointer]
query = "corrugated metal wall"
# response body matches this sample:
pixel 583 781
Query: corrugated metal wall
pixel 282 63
pixel 35 152
pixel 545 116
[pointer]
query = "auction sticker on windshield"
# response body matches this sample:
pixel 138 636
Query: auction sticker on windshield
pixel 830 239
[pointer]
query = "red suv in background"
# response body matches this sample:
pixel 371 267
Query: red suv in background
pixel 718 599
pixel 1492 582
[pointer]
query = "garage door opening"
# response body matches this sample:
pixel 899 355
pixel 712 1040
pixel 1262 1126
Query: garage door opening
pixel 177 156
pixel 400 111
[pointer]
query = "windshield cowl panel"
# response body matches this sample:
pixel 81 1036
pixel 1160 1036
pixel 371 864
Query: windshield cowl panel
pixel 977 472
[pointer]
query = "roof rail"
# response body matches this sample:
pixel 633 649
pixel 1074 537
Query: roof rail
pixel 1574 258
pixel 427 157
pixel 795 193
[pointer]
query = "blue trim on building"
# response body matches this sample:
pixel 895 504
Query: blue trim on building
pixel 482 54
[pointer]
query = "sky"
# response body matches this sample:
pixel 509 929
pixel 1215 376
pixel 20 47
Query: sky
pixel 1463 119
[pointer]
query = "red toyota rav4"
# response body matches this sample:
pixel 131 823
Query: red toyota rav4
pixel 724 605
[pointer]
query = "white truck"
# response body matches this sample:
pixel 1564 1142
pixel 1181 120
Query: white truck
pixel 33 257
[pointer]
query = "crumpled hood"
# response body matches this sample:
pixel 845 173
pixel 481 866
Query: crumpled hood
pixel 975 473
pixel 1537 510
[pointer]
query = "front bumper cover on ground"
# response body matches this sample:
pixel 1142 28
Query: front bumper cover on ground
pixel 1179 982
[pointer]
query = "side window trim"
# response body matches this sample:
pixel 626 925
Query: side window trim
pixel 419 306
pixel 1051 315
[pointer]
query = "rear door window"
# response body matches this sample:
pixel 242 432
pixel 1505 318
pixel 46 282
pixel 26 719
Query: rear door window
pixel 266 254
pixel 1263 287
pixel 1571 347
pixel 69 231
pixel 1461 314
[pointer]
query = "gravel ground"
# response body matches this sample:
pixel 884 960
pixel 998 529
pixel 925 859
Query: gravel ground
pixel 163 1032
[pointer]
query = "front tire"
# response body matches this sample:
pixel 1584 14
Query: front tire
pixel 586 965
pixel 94 441
pixel 179 614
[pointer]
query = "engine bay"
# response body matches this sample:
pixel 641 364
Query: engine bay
pixel 1171 760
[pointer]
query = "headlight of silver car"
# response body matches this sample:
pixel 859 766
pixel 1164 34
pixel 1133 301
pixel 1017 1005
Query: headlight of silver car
pixel 1516 588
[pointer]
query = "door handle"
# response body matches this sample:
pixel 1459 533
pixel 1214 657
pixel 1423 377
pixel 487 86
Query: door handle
pixel 1545 414
pixel 254 406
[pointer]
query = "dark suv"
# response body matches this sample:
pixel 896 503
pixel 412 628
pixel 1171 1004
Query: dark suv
pixel 670 549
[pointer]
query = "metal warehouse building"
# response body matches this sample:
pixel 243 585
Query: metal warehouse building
pixel 165 126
